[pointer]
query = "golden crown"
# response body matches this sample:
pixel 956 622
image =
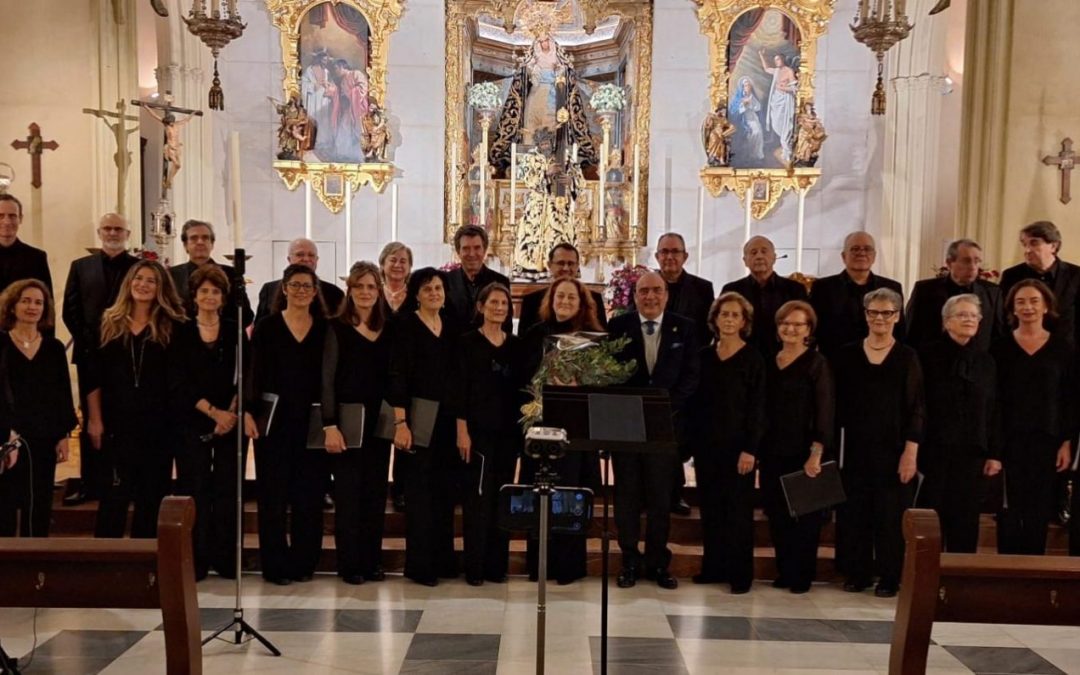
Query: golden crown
pixel 540 19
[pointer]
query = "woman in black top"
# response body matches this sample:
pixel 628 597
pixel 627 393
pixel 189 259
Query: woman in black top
pixel 423 366
pixel 395 263
pixel 1037 398
pixel 206 467
pixel 729 409
pixel 487 433
pixel 799 409
pixel 566 307
pixel 134 397
pixel 37 386
pixel 881 410
pixel 286 362
pixel 356 366
pixel 959 446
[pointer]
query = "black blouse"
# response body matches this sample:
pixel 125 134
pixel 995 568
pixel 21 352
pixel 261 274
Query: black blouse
pixel 355 370
pixel 139 378
pixel 284 366
pixel 486 395
pixel 423 365
pixel 880 407
pixel 1036 392
pixel 960 397
pixel 729 407
pixel 209 370
pixel 39 390
pixel 800 404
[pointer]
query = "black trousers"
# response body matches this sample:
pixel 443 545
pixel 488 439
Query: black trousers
pixel 795 539
pixel 643 480
pixel 1030 489
pixel 727 517
pixel 206 470
pixel 95 470
pixel 872 520
pixel 431 479
pixel 487 548
pixel 26 492
pixel 360 483
pixel 954 487
pixel 139 457
pixel 567 553
pixel 397 488
pixel 1074 508
pixel 291 480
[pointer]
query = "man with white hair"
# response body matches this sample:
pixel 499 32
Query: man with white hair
pixel 767 292
pixel 301 252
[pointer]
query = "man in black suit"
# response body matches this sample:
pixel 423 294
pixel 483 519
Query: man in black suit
pixel 665 347
pixel 301 252
pixel 463 285
pixel 963 260
pixel 198 239
pixel 92 285
pixel 19 260
pixel 564 262
pixel 838 299
pixel 1042 241
pixel 766 291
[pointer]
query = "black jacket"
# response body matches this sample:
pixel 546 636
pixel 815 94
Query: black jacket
pixel 331 294
pixel 929 296
pixel 461 297
pixel 23 261
pixel 766 300
pixel 181 276
pixel 530 310
pixel 691 296
pixel 87 295
pixel 678 365
pixel 1064 280
pixel 838 302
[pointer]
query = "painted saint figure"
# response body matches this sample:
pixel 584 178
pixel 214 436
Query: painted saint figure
pixel 781 117
pixel 744 111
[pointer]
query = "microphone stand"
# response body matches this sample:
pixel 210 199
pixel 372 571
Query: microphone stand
pixel 238 625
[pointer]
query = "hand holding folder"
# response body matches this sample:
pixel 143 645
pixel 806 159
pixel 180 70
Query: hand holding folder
pixel 806 495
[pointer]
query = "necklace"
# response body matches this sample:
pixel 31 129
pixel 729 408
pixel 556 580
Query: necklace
pixel 209 325
pixel 880 349
pixel 24 342
pixel 396 294
pixel 136 369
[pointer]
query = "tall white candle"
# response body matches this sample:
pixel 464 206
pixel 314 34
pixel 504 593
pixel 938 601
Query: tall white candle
pixel 573 155
pixel 307 209
pixel 454 183
pixel 513 180
pixel 800 224
pixel 231 4
pixel 348 225
pixel 483 183
pixel 234 181
pixel 393 212
pixel 749 197
pixel 700 227
pixel 637 191
pixel 601 223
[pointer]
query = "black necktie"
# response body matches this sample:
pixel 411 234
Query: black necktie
pixel 650 327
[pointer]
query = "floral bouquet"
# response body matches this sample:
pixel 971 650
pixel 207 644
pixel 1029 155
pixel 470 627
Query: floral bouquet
pixel 620 290
pixel 484 96
pixel 608 98
pixel 450 266
pixel 576 359
pixel 145 254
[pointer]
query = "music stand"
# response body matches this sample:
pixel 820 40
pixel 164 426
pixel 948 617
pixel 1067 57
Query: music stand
pixel 606 419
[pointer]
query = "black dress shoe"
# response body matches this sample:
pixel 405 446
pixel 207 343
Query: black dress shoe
pixel 430 583
pixel 75 498
pixel 799 590
pixel 664 579
pixel 885 591
pixel 740 590
pixel 353 579
pixel 278 581
pixel 474 581
pixel 303 578
pixel 680 508
pixel 852 586
pixel 780 582
pixel 627 578
pixel 495 578
pixel 377 574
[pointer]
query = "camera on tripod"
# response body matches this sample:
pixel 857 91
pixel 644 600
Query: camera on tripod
pixel 569 508
pixel 546 443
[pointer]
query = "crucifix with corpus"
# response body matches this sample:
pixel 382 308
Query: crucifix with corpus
pixel 35 145
pixel 120 132
pixel 173 150
pixel 1065 162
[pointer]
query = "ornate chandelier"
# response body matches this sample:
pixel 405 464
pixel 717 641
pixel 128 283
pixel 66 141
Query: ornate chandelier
pixel 879 25
pixel 216 29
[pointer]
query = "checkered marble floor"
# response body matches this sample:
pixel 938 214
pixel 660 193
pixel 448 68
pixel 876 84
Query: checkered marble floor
pixel 325 626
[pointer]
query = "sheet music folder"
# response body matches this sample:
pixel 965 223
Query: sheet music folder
pixel 422 416
pixel 806 495
pixel 625 419
pixel 350 424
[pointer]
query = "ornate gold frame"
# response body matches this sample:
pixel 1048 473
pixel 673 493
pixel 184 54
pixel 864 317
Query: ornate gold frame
pixel 382 17
pixel 593 11
pixel 716 18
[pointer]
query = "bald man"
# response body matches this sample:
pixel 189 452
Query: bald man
pixel 92 285
pixel 301 252
pixel 766 291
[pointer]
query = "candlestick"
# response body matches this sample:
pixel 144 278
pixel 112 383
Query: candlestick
pixel 601 223
pixel 393 212
pixel 513 180
pixel 637 192
pixel 749 197
pixel 234 180
pixel 799 230
pixel 700 227
pixel 348 225
pixel 307 209
pixel 454 183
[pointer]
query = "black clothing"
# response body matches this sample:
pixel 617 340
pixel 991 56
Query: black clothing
pixel 728 416
pixel 181 276
pixel 800 404
pixel 461 294
pixel 691 296
pixel 766 299
pixel 331 295
pixel 1037 400
pixel 356 370
pixel 290 475
pixel 43 414
pixel 929 296
pixel 838 302
pixel 1064 280
pixel 23 261
pixel 531 302
pixel 960 384
pixel 424 365
pixel 879 409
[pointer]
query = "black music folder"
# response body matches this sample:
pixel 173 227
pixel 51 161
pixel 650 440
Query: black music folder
pixel 350 424
pixel 422 416
pixel 806 495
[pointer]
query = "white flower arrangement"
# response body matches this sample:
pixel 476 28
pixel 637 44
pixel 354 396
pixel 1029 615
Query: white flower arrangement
pixel 608 98
pixel 484 96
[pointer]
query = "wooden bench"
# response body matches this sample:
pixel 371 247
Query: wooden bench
pixel 122 573
pixel 973 588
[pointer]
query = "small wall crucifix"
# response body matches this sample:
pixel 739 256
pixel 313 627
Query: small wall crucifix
pixel 35 145
pixel 1065 162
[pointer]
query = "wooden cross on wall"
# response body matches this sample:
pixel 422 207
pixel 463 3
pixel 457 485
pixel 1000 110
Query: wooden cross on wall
pixel 1065 162
pixel 35 145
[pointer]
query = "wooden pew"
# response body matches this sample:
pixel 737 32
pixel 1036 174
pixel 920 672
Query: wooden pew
pixel 122 573
pixel 973 588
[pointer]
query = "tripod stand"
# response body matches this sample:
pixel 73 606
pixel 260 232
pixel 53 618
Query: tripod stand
pixel 543 487
pixel 8 665
pixel 238 625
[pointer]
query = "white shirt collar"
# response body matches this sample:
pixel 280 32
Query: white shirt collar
pixel 659 320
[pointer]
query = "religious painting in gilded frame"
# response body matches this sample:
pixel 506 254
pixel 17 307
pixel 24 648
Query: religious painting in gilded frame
pixel 762 60
pixel 333 122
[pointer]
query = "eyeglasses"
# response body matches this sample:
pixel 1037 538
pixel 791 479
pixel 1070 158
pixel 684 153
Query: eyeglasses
pixel 881 313
pixel 300 287
pixel 670 251
pixel 966 316
pixel 794 324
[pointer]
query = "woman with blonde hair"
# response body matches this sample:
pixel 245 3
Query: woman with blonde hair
pixel 135 385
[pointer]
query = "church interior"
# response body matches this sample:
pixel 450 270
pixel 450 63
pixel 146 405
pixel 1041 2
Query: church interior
pixel 604 124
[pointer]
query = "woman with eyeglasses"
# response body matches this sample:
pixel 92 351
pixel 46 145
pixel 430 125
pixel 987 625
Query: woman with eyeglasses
pixel 1037 378
pixel 799 407
pixel 881 412
pixel 958 446
pixel 355 370
pixel 286 366
pixel 395 263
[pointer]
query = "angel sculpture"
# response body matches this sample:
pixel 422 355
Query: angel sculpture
pixel 296 131
pixel 715 133
pixel 376 134
pixel 811 136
